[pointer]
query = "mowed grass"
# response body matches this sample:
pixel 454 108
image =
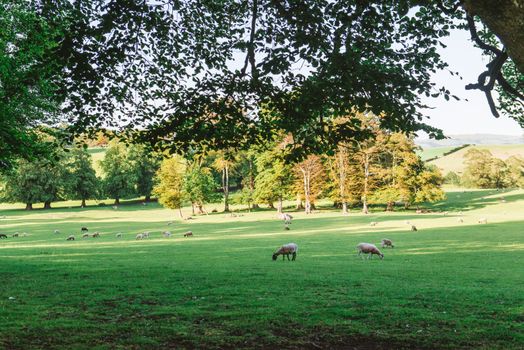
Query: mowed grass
pixel 450 285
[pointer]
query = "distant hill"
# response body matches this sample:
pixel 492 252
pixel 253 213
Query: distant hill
pixel 473 139
pixel 455 161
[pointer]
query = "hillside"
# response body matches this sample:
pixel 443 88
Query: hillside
pixel 455 161
pixel 473 139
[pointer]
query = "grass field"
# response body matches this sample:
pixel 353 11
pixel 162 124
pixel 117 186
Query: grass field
pixel 428 153
pixel 450 285
pixel 455 161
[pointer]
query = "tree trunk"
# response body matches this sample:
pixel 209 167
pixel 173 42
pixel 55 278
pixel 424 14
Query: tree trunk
pixel 366 177
pixel 390 206
pixel 225 185
pixel 342 180
pixel 29 206
pixel 279 208
pixel 83 205
pixel 180 213
pixel 117 201
pixel 345 208
pixel 299 205
pixel 47 205
pixel 505 18
pixel 148 198
pixel 192 208
pixel 255 206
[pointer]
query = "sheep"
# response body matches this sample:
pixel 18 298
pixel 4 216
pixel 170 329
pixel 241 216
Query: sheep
pixel 119 235
pixel 413 228
pixel 70 238
pixel 286 227
pixel 15 234
pixel 57 231
pixel 368 248
pixel 145 234
pixel 96 234
pixel 373 223
pixel 483 221
pixel 115 207
pixel 285 250
pixel 286 217
pixel 3 235
pixel 139 236
pixel 25 234
pixel 144 204
pixel 166 234
pixel 387 243
pixel 188 234
pixel 85 235
pixel 461 220
pixel 84 229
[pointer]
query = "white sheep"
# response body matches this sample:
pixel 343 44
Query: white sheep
pixel 139 236
pixel 119 235
pixel 368 248
pixel 115 207
pixel 286 217
pixel 145 234
pixel 15 234
pixel 166 234
pixel 483 221
pixel 70 238
pixel 387 243
pixel 373 223
pixel 285 250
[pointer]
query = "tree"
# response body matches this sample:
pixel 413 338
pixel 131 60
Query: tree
pixel 452 178
pixel 200 187
pixel 82 182
pixel 274 178
pixel 310 180
pixel 516 171
pixel 119 177
pixel 144 165
pixel 170 184
pixel 429 183
pixel 224 163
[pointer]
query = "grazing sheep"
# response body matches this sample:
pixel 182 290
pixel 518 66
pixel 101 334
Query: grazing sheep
pixel 57 231
pixel 368 248
pixel 286 217
pixel 286 227
pixel 188 234
pixel 3 235
pixel 119 235
pixel 139 236
pixel 115 207
pixel 166 234
pixel 15 234
pixel 85 235
pixel 413 228
pixel 70 238
pixel 483 221
pixel 145 234
pixel 84 229
pixel 96 234
pixel 285 250
pixel 373 223
pixel 387 243
pixel 24 234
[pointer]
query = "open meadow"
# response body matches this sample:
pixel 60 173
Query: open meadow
pixel 449 285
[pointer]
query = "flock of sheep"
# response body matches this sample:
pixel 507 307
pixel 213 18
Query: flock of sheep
pixel 139 236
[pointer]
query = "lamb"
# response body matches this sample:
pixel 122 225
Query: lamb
pixel 285 250
pixel 373 223
pixel 96 234
pixel 85 235
pixel 387 243
pixel 413 228
pixel 368 248
pixel 3 235
pixel 483 221
pixel 166 234
pixel 70 238
pixel 119 235
pixel 84 229
pixel 188 234
pixel 139 236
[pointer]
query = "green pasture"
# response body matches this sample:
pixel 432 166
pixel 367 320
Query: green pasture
pixel 450 285
pixel 428 153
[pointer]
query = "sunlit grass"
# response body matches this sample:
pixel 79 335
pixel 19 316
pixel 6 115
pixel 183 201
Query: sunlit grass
pixel 448 285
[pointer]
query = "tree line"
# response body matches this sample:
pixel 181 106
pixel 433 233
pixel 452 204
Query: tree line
pixel 483 170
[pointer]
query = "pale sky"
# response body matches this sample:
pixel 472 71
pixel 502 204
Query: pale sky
pixel 472 116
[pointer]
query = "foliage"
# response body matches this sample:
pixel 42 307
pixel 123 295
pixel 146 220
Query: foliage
pixel 144 165
pixel 170 183
pixel 274 177
pixel 485 171
pixel 199 186
pixel 119 177
pixel 309 180
pixel 452 178
pixel 82 182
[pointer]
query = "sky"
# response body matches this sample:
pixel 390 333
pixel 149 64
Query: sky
pixel 465 117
